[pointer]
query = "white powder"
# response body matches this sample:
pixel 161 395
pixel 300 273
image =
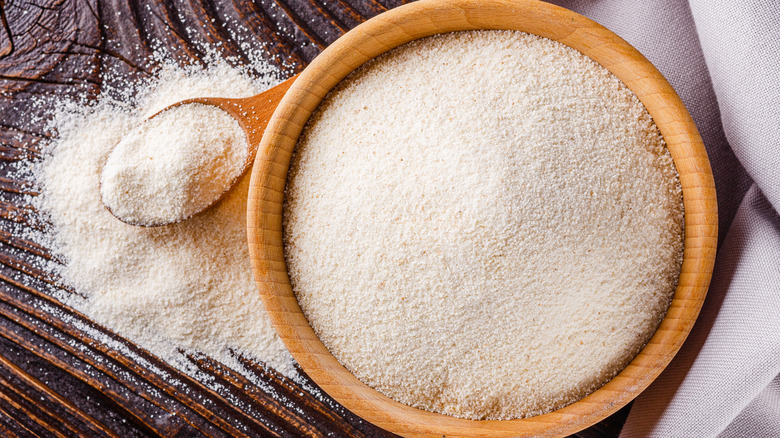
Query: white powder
pixel 176 289
pixel 173 165
pixel 483 224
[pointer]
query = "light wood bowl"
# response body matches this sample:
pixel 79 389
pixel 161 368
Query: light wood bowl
pixel 425 18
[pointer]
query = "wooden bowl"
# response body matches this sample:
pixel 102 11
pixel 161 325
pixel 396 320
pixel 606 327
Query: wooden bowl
pixel 422 19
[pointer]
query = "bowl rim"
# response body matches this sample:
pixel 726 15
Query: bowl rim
pixel 418 20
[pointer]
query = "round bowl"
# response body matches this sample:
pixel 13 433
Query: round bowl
pixel 421 19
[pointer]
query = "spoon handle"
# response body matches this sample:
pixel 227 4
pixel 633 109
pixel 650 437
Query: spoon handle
pixel 252 113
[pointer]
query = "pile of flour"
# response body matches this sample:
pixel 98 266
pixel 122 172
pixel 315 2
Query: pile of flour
pixel 177 289
pixel 483 224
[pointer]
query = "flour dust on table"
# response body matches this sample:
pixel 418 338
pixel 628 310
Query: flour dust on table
pixel 181 289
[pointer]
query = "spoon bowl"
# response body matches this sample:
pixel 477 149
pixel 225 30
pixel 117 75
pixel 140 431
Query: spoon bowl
pixel 252 114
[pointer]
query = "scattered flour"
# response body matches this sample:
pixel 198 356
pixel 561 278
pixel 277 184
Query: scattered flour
pixel 174 165
pixel 180 289
pixel 483 224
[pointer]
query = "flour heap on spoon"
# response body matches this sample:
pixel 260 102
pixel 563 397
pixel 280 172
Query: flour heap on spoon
pixel 173 165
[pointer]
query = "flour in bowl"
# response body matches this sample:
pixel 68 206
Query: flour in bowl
pixel 484 224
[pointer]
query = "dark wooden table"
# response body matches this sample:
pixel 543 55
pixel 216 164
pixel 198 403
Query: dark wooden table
pixel 55 378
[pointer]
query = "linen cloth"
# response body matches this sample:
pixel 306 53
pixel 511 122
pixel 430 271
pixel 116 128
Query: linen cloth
pixel 723 59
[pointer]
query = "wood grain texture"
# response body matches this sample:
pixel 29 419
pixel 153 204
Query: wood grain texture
pixel 425 18
pixel 56 378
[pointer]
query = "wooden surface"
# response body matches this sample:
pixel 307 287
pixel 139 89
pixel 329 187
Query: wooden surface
pixel 55 379
pixel 428 17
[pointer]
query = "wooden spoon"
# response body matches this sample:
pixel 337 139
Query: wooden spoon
pixel 252 114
